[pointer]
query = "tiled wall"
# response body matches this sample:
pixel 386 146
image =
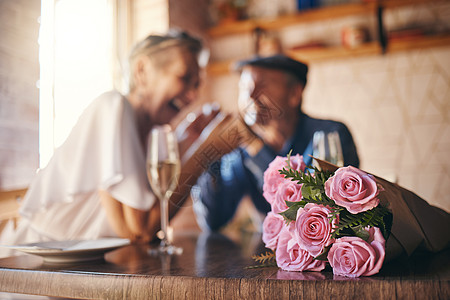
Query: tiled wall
pixel 397 107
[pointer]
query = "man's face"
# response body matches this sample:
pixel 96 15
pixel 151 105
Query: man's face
pixel 174 86
pixel 263 95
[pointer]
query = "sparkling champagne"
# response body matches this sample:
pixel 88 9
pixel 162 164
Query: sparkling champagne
pixel 163 177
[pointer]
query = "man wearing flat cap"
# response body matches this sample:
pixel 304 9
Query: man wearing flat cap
pixel 270 98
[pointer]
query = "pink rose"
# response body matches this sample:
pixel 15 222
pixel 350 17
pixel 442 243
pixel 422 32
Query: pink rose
pixel 353 189
pixel 287 191
pixel 272 225
pixel 354 257
pixel 290 257
pixel 272 176
pixel 312 228
pixel 297 163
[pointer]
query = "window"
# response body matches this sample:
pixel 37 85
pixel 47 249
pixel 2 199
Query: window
pixel 76 61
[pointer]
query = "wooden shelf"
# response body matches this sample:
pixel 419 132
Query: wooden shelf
pixel 321 54
pixel 220 67
pixel 419 43
pixel 313 15
pixel 326 13
pixel 311 55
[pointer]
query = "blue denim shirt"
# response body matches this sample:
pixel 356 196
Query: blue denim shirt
pixel 219 190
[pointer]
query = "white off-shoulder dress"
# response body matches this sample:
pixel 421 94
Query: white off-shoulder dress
pixel 103 152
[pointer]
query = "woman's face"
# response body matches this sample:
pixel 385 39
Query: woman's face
pixel 171 87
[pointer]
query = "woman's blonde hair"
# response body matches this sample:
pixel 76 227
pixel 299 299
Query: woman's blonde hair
pixel 155 46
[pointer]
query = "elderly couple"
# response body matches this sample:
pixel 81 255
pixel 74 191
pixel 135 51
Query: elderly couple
pixel 96 184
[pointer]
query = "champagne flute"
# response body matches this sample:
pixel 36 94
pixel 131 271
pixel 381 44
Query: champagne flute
pixel 328 147
pixel 163 170
pixel 319 150
pixel 335 149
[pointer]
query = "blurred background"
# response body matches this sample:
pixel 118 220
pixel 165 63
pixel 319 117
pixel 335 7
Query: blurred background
pixel 381 67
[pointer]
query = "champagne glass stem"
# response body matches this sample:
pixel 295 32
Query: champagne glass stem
pixel 165 220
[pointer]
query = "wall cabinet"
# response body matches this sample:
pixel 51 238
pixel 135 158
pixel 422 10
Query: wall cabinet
pixel 375 8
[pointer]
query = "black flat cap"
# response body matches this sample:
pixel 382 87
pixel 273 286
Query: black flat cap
pixel 277 62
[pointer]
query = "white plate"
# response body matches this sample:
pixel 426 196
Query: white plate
pixel 72 251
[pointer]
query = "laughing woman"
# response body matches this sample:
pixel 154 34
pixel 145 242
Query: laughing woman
pixel 96 184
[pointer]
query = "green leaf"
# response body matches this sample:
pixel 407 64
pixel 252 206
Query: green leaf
pixel 386 224
pixel 361 233
pixel 264 257
pixel 322 200
pixel 288 161
pixel 295 203
pixel 323 256
pixel 290 214
pixel 310 191
pixel 373 218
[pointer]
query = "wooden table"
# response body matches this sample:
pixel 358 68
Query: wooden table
pixel 215 267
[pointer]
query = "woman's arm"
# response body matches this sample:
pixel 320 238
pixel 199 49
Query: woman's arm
pixel 207 139
pixel 139 226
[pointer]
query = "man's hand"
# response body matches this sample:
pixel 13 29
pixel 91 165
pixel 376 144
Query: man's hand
pixel 190 129
pixel 204 140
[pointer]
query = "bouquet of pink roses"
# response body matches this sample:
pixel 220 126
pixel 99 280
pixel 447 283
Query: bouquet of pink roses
pixel 319 217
